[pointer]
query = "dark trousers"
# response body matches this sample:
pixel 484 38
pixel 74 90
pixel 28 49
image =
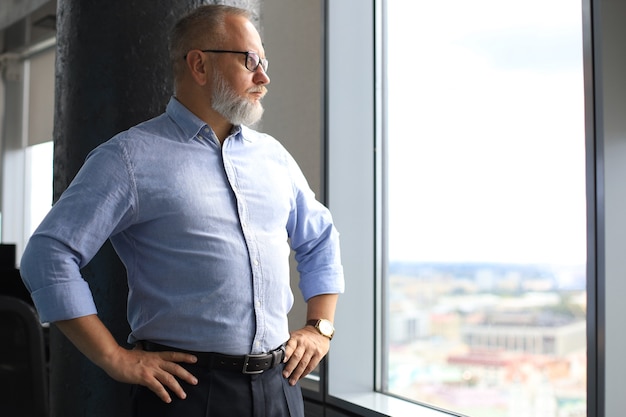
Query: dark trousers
pixel 222 393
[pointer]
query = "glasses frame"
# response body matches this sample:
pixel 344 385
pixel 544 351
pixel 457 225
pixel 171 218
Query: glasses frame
pixel 261 62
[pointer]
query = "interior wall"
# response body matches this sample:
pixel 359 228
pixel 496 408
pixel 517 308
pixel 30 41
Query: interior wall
pixel 293 41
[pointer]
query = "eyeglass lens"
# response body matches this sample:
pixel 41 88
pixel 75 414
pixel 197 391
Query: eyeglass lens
pixel 253 61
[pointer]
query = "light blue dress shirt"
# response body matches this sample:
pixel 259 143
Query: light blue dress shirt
pixel 203 229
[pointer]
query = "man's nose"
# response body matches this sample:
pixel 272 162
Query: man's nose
pixel 260 76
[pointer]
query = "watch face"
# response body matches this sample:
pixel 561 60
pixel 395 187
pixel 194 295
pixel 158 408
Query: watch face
pixel 326 327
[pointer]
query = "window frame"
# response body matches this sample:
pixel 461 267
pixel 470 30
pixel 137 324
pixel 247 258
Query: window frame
pixel 355 145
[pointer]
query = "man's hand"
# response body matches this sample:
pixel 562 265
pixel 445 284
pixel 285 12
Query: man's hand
pixel 155 370
pixel 304 350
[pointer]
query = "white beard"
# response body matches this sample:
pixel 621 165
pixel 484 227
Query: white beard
pixel 237 110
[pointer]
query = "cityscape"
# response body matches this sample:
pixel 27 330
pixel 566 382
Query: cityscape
pixel 488 340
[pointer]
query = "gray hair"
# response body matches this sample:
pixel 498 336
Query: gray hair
pixel 202 28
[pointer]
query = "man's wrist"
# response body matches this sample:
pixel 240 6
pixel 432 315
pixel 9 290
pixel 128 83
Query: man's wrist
pixel 323 326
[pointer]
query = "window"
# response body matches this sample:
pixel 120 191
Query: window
pixel 486 221
pixel 27 150
pixel 38 184
pixel 544 307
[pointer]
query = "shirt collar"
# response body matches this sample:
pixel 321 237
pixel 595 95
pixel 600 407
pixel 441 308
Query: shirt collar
pixel 191 124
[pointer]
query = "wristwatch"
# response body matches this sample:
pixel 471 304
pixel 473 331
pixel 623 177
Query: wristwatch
pixel 325 327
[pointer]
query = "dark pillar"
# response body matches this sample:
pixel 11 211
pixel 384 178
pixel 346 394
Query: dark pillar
pixel 112 72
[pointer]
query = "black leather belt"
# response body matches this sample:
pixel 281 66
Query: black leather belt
pixel 246 364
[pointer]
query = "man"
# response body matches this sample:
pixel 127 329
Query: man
pixel 200 209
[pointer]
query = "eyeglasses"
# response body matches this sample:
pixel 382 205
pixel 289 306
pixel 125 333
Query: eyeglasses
pixel 253 60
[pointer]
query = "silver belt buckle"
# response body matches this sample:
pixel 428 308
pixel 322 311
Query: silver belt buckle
pixel 246 361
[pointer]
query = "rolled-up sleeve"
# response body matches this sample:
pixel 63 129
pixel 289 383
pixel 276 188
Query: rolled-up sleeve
pixel 315 241
pixel 97 203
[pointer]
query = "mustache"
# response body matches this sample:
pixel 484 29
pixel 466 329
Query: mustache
pixel 258 89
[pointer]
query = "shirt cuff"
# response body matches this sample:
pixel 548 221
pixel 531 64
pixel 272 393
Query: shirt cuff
pixel 327 281
pixel 64 301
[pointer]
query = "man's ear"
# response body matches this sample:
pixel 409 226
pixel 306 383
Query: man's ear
pixel 197 66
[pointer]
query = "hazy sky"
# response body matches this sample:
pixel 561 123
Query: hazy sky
pixel 486 131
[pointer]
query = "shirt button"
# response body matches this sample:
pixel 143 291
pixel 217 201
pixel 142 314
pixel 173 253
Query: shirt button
pixel 258 304
pixel 256 262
